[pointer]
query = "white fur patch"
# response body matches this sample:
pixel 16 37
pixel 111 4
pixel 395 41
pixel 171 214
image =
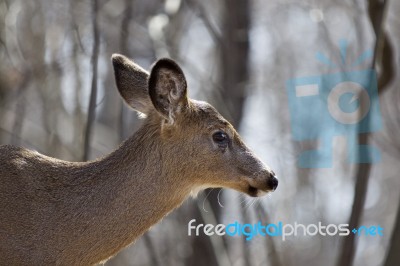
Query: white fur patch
pixel 141 115
pixel 195 191
pixel 261 193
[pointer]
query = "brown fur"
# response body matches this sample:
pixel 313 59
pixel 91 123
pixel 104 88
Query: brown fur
pixel 55 212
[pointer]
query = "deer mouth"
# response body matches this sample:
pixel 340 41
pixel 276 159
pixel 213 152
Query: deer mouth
pixel 256 192
pixel 259 186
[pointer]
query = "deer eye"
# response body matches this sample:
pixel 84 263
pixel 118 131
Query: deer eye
pixel 220 138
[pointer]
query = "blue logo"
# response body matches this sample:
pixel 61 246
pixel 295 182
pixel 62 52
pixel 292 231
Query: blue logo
pixel 342 103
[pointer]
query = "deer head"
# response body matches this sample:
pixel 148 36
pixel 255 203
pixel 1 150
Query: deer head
pixel 209 151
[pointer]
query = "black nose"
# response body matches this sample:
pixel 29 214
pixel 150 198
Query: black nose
pixel 272 181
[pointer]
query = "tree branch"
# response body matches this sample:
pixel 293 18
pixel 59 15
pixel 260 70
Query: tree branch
pixel 93 93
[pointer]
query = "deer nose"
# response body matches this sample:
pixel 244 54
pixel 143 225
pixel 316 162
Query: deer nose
pixel 272 181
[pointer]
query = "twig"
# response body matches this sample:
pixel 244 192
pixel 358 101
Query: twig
pixel 151 249
pixel 272 256
pixel 123 47
pixel 200 10
pixel 93 93
pixel 393 256
pixel 20 111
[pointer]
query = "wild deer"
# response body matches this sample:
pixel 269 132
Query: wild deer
pixel 55 212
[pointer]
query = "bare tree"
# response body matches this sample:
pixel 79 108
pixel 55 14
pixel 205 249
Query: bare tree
pixel 377 16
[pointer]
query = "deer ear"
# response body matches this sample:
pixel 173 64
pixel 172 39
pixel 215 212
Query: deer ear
pixel 131 82
pixel 168 88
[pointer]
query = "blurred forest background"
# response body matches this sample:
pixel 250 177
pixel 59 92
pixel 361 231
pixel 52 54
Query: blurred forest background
pixel 57 96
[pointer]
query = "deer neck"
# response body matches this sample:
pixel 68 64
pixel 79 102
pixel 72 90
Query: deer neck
pixel 138 189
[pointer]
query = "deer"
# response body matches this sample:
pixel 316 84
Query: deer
pixel 55 212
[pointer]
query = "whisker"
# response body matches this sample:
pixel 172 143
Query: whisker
pixel 259 205
pixel 243 199
pixel 236 196
pixel 204 209
pixel 219 202
pixel 254 201
pixel 248 203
